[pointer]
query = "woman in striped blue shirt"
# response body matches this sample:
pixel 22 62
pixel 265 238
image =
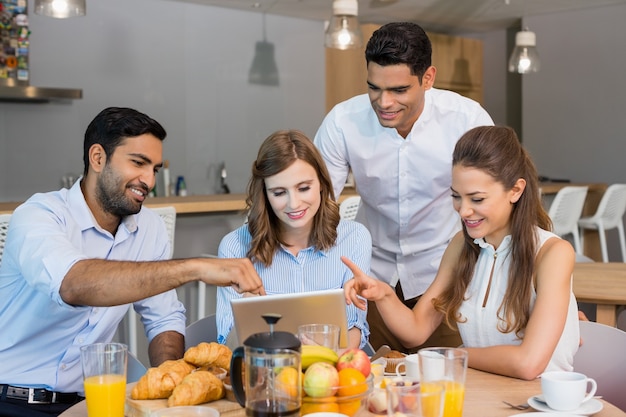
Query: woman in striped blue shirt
pixel 294 235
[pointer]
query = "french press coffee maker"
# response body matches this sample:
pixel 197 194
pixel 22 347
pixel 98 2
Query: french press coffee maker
pixel 265 373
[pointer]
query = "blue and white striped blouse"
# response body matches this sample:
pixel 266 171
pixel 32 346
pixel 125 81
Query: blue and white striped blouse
pixel 310 270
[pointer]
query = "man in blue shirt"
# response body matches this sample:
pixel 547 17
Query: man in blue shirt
pixel 75 259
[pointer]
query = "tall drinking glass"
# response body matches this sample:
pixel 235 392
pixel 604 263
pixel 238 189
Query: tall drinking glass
pixel 320 334
pixel 409 397
pixel 447 366
pixel 104 377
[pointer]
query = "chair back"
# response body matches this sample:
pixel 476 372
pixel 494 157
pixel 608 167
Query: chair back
pixel 203 330
pixel 134 369
pixel 168 214
pixel 602 357
pixel 612 206
pixel 4 229
pixel 349 207
pixel 565 211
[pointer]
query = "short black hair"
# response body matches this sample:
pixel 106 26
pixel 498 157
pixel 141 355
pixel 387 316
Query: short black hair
pixel 114 124
pixel 400 43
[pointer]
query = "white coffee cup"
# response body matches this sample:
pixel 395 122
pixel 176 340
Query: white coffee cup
pixel 566 391
pixel 411 366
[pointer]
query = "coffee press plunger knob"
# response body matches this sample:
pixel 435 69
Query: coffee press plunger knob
pixel 271 319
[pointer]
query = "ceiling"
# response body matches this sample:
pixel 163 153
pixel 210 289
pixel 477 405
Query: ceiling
pixel 448 16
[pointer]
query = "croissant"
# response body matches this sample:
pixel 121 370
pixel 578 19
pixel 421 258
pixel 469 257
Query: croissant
pixel 159 382
pixel 196 388
pixel 205 354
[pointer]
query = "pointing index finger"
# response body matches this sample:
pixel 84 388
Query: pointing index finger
pixel 352 266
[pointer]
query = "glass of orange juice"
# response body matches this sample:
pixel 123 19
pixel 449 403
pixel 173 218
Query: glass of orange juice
pixel 104 378
pixel 449 367
pixel 409 397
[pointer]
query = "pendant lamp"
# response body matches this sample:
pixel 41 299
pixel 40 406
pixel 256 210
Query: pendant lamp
pixel 524 58
pixel 344 31
pixel 61 8
pixel 264 70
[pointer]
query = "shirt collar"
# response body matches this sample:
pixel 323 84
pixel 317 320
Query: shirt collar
pixel 504 246
pixel 83 215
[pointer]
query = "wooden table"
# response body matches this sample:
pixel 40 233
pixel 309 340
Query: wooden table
pixel 483 398
pixel 603 284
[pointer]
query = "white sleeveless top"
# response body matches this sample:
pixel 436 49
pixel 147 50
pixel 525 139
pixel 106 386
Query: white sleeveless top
pixel 481 326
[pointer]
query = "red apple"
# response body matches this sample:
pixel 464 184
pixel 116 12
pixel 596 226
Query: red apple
pixel 355 358
pixel 320 380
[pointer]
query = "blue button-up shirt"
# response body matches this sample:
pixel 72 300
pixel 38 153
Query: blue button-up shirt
pixel 41 335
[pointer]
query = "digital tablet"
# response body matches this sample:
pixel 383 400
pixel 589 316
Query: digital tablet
pixel 314 307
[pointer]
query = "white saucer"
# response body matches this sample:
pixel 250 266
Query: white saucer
pixel 586 409
pixel 542 414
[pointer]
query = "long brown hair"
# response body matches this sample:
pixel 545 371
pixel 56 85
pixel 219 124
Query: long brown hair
pixel 497 151
pixel 278 152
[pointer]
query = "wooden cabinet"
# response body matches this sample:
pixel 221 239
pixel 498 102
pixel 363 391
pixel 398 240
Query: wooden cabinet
pixel 346 72
pixel 459 63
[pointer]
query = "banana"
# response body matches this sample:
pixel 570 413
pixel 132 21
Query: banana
pixel 313 353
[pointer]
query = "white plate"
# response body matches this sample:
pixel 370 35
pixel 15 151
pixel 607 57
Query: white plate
pixel 542 414
pixel 586 409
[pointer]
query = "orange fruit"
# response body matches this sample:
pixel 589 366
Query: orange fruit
pixel 288 381
pixel 318 405
pixel 349 408
pixel 351 382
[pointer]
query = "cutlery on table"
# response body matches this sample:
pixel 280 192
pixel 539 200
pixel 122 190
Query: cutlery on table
pixel 382 351
pixel 517 406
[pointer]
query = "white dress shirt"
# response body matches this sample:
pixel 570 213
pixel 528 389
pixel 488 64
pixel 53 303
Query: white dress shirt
pixel 404 183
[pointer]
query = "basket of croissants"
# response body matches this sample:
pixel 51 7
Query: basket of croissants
pixel 193 380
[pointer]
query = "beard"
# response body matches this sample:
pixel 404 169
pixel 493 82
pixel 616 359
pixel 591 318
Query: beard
pixel 110 193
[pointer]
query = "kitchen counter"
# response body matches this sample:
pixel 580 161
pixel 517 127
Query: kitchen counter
pixel 194 204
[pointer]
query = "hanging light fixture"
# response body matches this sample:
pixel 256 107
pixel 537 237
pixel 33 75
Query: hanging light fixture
pixel 61 8
pixel 524 58
pixel 264 70
pixel 343 31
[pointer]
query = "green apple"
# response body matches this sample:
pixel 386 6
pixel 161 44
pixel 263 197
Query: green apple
pixel 321 380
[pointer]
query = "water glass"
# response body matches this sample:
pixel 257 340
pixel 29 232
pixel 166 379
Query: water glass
pixel 319 334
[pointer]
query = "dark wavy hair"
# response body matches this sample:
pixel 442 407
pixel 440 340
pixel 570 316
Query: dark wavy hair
pixel 279 151
pixel 113 125
pixel 497 151
pixel 400 43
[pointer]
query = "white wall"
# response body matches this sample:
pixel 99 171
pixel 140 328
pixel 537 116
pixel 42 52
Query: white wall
pixel 573 110
pixel 186 65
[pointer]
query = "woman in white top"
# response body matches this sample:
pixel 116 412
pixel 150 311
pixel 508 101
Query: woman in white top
pixel 504 280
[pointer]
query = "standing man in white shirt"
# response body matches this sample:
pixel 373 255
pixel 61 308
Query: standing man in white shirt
pixel 398 140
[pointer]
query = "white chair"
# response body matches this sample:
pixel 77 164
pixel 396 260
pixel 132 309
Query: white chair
pixel 4 229
pixel 168 214
pixel 602 357
pixel 349 207
pixel 565 211
pixel 609 215
pixel 203 330
pixel 134 368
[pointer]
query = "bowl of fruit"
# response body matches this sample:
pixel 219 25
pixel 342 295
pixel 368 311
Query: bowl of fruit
pixel 333 383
